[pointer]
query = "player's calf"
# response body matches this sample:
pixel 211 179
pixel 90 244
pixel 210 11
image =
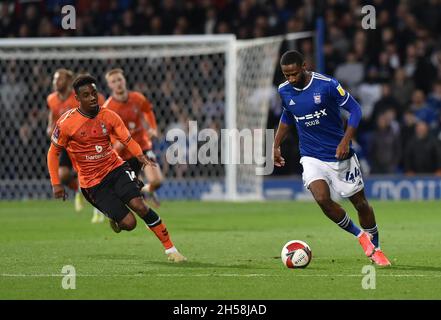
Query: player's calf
pixel 155 224
pixel 366 216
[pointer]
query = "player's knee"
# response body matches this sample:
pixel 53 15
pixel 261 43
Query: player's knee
pixel 323 201
pixel 362 206
pixel 140 208
pixel 128 223
pixel 156 183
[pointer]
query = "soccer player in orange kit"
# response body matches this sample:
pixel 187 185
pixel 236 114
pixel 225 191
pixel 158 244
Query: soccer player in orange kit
pixel 106 181
pixel 137 114
pixel 59 101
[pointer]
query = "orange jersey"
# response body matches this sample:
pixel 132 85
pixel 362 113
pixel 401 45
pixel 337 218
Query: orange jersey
pixel 87 141
pixel 59 107
pixel 101 99
pixel 135 112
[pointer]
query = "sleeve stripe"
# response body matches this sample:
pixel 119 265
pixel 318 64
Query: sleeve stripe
pixel 346 100
pixel 283 84
pixel 56 144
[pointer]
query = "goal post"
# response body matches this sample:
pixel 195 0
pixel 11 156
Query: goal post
pixel 216 81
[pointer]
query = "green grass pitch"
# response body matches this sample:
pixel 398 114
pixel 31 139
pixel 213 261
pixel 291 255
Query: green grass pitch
pixel 233 251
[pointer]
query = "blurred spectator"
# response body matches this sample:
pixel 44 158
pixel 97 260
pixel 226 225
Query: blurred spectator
pixel 423 152
pixel 210 20
pixel 402 87
pixel 369 92
pixel 331 57
pixel 385 144
pixel 7 23
pixel 350 73
pixel 434 98
pixel 425 72
pixel 386 102
pixel 421 110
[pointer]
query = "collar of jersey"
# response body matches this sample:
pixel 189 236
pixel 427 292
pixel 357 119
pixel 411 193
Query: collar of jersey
pixel 86 115
pixel 307 86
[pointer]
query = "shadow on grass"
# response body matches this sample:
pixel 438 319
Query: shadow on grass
pixel 415 268
pixel 113 256
pixel 195 264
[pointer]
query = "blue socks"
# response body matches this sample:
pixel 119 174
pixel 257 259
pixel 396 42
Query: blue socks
pixel 374 232
pixel 347 224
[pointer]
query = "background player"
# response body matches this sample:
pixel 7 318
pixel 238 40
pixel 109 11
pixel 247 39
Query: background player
pixel 137 114
pixel 59 101
pixel 106 181
pixel 312 101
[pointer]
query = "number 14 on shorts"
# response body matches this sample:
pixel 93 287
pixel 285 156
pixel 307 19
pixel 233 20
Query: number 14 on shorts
pixel 351 176
pixel 131 175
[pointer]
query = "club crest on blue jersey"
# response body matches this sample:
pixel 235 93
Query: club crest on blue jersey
pixel 317 98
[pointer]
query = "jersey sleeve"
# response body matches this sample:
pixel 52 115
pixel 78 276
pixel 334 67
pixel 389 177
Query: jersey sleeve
pixel 48 103
pixel 147 110
pixel 337 93
pixel 347 102
pixel 286 117
pixel 118 129
pixel 149 115
pixel 120 132
pixel 101 99
pixel 60 135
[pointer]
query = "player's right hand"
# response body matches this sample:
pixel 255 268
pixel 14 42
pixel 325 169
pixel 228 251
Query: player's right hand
pixel 277 157
pixel 146 161
pixel 59 192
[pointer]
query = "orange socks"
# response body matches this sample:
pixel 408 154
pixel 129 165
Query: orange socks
pixel 162 234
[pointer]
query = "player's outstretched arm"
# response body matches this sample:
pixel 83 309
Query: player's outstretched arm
pixel 282 132
pixel 53 165
pixel 50 124
pixel 354 108
pixel 343 147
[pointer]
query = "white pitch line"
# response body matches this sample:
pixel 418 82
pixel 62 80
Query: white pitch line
pixel 216 275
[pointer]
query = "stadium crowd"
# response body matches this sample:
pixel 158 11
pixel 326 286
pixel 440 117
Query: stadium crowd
pixel 394 71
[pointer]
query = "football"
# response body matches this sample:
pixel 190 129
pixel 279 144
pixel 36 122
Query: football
pixel 296 254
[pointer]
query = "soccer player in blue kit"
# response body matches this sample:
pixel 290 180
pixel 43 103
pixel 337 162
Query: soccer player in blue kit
pixel 312 102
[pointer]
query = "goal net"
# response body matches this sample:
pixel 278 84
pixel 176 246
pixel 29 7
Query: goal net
pixel 216 82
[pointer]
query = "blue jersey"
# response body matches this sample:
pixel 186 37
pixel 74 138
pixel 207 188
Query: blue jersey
pixel 315 110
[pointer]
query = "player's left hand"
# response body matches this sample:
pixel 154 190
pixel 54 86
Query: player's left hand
pixel 279 161
pixel 59 192
pixel 342 151
pixel 146 161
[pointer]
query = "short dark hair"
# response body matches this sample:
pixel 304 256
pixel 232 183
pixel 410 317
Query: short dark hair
pixel 82 80
pixel 292 57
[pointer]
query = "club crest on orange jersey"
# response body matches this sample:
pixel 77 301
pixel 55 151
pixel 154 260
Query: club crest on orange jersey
pixel 56 134
pixel 103 127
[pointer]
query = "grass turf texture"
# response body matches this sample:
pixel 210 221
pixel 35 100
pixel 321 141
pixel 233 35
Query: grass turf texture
pixel 233 251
